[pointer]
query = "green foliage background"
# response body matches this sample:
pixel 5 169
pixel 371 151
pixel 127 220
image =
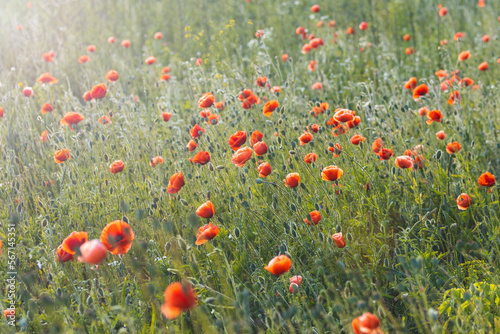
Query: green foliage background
pixel 412 258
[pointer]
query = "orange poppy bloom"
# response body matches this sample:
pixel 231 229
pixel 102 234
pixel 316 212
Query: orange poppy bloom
pixel 261 81
pixel 116 167
pixel 158 35
pixel 197 131
pixel 355 122
pixel 385 154
pixel 46 108
pixel 336 149
pixel 83 59
pixel 440 135
pixel 411 84
pixel 125 43
pixel 93 252
pixel 368 323
pixel 339 129
pixel 404 162
pixel 339 239
pixel 241 156
pixel 310 158
pixel 213 119
pixel 284 57
pixel 27 91
pixel 166 69
pixel 464 55
pixel 410 51
pixel 206 210
pixel 178 297
pixel 48 56
pixel 363 26
pixel 165 77
pixel 98 91
pixel 454 96
pixel 315 217
pixel 331 173
pixel 315 9
pixel 87 96
pixel 377 145
pixel 315 128
pixel 150 60
pixel 166 116
pixel 486 38
pixel 206 233
pixel 256 137
pixel 112 76
pixel 406 37
pixel 155 161
pixel 73 242
pixel 279 265
pixel 275 89
pixel 219 105
pixel 443 11
pixel 292 180
pixel 269 107
pixel 200 158
pixel 71 118
pixel 458 36
pixel 1 112
pixel 264 169
pixel 442 74
pixel 305 138
pixel 434 116
pixel 453 147
pixel 117 237
pixel 61 156
pixel 260 148
pixel 63 256
pixel 312 66
pixel 176 183
pixel 356 139
pixel 111 40
pixel 466 82
pixel 463 201
pixel 44 136
pixel 350 31
pixel 91 48
pixel 206 100
pixel 199 61
pixel 423 111
pixel 317 86
pixel 104 120
pixel 343 115
pixel 237 139
pixel 47 78
pixel 191 145
pixel 486 180
pixel 483 66
pixel 420 91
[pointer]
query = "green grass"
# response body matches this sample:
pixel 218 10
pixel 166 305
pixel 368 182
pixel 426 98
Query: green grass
pixel 412 258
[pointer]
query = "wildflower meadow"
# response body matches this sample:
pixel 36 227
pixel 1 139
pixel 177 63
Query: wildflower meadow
pixel 250 166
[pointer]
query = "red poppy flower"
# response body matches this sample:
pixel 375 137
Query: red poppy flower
pixel 83 59
pixel 201 158
pixel 336 149
pixel 241 156
pixel 464 55
pixel 385 154
pixel 420 91
pixel 315 217
pixel 367 323
pixel 483 66
pixel 206 100
pixel 411 84
pixel 310 158
pixel 117 237
pixel 47 78
pixel 46 108
pixel 191 145
pixel 176 183
pixel 331 173
pixel 150 60
pixel 404 162
pixel 91 48
pixel 237 139
pixel 486 180
pixel 264 169
pixel 112 76
pixel 155 161
pixel 126 43
pixel 63 256
pixel 305 138
pixel 434 116
pixel 178 297
pixel 279 265
pixel 377 145
pixel 61 156
pixel 73 242
pixel 71 118
pixel 166 116
pixel 292 180
pixel 269 107
pixel 98 91
pixel 197 131
pixel 260 148
pixel 206 210
pixel 116 167
pixel 453 147
pixel 339 239
pixel 158 35
pixel 206 233
pixel 356 139
pixel 441 135
pixel 463 201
